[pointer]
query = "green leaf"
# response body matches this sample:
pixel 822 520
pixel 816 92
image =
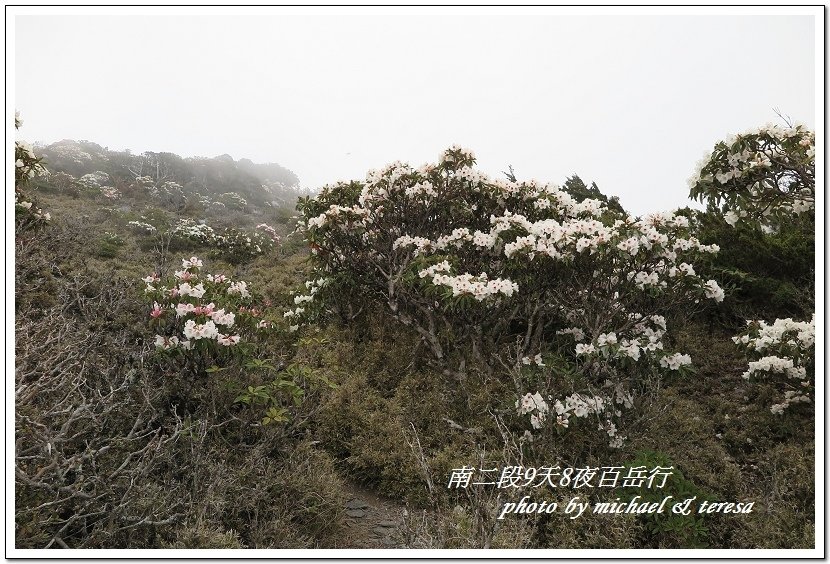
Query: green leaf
pixel 275 415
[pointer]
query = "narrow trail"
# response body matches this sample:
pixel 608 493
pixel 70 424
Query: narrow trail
pixel 371 521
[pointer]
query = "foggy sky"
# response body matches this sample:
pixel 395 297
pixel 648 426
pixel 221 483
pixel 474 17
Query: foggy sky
pixel 630 102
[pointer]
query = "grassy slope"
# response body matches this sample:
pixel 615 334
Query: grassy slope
pixel 715 427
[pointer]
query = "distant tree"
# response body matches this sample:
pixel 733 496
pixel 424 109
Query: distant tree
pixel 161 167
pixel 269 173
pixel 575 186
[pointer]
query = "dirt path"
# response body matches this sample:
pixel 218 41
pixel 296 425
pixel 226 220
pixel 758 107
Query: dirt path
pixel 372 522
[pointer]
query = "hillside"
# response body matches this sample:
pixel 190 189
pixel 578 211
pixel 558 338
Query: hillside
pixel 209 357
pixel 180 181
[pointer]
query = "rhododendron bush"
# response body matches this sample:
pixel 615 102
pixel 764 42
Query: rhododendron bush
pixel 207 323
pixel 494 272
pixel 204 312
pixel 233 244
pixel 762 176
pixel 766 173
pixel 784 350
pixel 26 167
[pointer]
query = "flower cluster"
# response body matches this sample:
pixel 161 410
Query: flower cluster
pixel 675 361
pixel 233 200
pixel 269 231
pixel 27 164
pixel 534 405
pixel 110 193
pixel 142 226
pixel 762 174
pixel 642 338
pixel 579 406
pixel 97 179
pixel 199 232
pixel 478 287
pixel 785 348
pixel 202 311
pixel 26 211
pixel 304 301
pixel 241 245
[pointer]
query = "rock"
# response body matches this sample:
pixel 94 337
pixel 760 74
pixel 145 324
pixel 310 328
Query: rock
pixel 388 524
pixel 356 504
pixel 382 530
pixel 356 513
pixel 387 541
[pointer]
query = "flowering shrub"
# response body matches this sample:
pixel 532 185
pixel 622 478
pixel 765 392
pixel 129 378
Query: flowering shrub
pixel 64 183
pixel 208 323
pixel 239 246
pixel 97 179
pixel 269 231
pixel 109 244
pixel 190 230
pixel 26 167
pixel 168 191
pixel 481 264
pixel 765 173
pixel 69 152
pixel 110 193
pixel 142 227
pixel 784 348
pixel 236 245
pixel 189 304
pixel 233 200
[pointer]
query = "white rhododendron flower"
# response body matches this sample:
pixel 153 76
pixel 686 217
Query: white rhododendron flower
pixel 192 262
pixel 582 348
pixel 195 331
pixel 228 340
pixel 220 317
pixel 240 288
pixel 675 361
pixel 714 291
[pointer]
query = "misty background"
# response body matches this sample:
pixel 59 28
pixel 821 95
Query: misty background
pixel 629 102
